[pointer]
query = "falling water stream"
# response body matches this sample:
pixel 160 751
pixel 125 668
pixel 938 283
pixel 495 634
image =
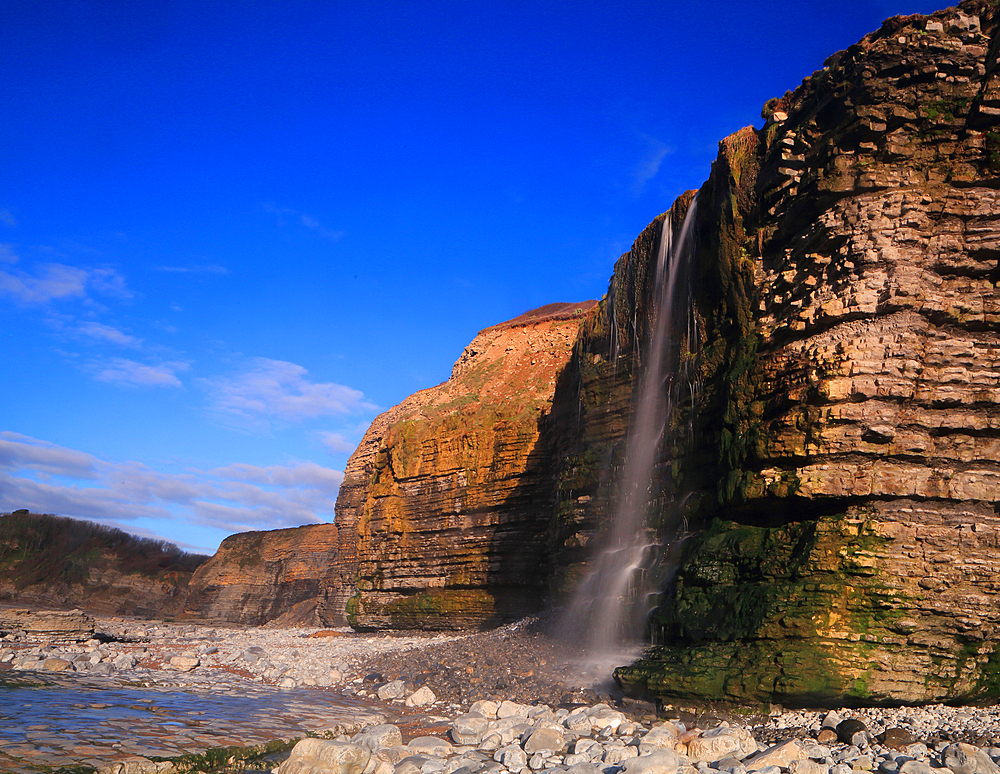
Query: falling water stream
pixel 612 604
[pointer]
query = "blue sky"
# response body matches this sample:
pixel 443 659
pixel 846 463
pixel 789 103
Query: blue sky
pixel 232 233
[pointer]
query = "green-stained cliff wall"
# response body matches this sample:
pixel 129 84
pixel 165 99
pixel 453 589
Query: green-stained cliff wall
pixel 851 361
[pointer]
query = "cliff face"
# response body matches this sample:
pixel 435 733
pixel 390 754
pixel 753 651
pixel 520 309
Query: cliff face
pixel 852 373
pixel 287 576
pixel 831 478
pixel 52 561
pixel 444 507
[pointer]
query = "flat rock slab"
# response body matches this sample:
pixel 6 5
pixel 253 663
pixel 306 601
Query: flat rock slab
pixel 49 624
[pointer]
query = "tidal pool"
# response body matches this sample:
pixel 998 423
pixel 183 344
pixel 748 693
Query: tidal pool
pixel 52 725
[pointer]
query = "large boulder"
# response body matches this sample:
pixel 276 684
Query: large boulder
pixel 322 756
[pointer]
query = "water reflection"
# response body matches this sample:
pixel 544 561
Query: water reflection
pixel 59 725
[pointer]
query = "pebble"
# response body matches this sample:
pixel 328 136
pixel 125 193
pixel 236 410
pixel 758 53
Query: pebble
pixel 421 697
pixel 163 690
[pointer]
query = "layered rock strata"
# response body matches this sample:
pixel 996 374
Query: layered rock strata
pixel 444 507
pixel 54 625
pixel 854 552
pixel 830 482
pixel 288 576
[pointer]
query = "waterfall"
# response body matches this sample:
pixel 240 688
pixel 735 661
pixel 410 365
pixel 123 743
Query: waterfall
pixel 612 604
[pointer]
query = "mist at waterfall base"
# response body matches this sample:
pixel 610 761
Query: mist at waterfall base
pixel 609 610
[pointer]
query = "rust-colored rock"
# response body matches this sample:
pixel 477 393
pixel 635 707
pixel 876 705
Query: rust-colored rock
pixel 49 625
pixel 447 499
pixel 286 576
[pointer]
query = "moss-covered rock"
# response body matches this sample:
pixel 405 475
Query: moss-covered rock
pixel 428 610
pixel 824 611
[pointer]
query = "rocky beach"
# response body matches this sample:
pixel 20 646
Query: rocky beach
pixel 151 696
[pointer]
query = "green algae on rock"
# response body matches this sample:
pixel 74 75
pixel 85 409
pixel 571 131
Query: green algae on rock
pixel 853 556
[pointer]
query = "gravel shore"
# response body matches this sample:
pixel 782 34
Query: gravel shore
pixel 464 690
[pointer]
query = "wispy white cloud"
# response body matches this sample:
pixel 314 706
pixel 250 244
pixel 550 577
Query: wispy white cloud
pixel 654 152
pixel 134 529
pixel 22 451
pixel 287 215
pixel 314 225
pixel 336 442
pixel 302 474
pixel 69 299
pixel 44 477
pixel 276 389
pixel 107 333
pixel 8 219
pixel 58 282
pixel 130 373
pixel 208 268
pixel 53 281
pixel 108 281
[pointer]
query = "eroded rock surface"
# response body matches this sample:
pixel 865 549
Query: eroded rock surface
pixel 854 557
pixel 285 575
pixel 443 509
pixel 55 625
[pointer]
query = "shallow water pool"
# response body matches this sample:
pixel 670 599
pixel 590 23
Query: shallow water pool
pixel 58 725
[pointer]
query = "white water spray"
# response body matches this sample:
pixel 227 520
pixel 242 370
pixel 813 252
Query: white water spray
pixel 612 604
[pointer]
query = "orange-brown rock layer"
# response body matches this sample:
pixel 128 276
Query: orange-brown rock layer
pixel 286 576
pixel 446 502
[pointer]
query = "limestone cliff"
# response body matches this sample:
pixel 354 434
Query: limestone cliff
pixel 444 507
pixel 285 576
pixel 852 369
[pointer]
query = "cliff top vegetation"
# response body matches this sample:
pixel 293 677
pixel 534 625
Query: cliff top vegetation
pixel 44 549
